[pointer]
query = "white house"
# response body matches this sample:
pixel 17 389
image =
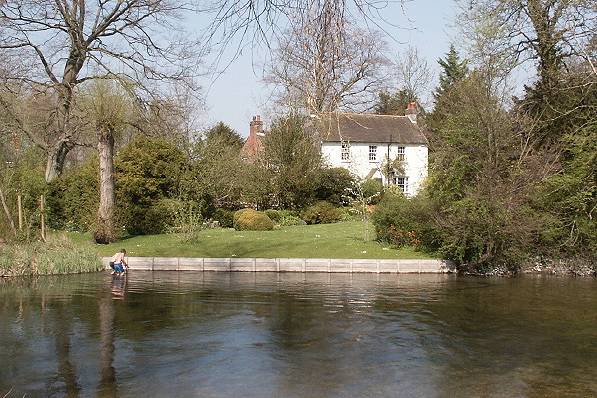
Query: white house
pixel 363 143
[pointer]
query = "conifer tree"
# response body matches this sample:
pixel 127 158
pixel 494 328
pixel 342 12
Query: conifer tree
pixel 454 70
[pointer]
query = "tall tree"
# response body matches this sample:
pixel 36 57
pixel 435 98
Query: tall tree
pixel 324 62
pixel 547 32
pixel 454 69
pixel 292 158
pixel 64 43
pixel 108 109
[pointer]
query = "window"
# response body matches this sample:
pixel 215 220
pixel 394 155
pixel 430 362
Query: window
pixel 345 150
pixel 372 153
pixel 401 154
pixel 402 182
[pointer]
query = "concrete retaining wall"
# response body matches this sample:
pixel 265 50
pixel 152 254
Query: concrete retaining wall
pixel 286 265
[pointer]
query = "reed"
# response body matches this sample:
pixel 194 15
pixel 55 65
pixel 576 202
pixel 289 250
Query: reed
pixel 56 256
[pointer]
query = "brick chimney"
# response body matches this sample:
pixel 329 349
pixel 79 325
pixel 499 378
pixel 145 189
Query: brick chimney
pixel 252 145
pixel 411 112
pixel 256 127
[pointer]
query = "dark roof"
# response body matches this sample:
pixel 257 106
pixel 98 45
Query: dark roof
pixel 367 127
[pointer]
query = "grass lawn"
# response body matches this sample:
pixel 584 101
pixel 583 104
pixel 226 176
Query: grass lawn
pixel 340 240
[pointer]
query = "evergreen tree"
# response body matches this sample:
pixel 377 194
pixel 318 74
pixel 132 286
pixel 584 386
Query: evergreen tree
pixel 454 70
pixel 222 134
pixel 394 103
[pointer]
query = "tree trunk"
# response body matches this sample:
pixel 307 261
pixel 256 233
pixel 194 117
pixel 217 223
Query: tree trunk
pixel 7 213
pixel 57 158
pixel 105 215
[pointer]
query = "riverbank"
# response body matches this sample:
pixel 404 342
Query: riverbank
pixel 301 265
pixel 57 256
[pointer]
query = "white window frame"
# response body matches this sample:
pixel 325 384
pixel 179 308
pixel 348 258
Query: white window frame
pixel 373 153
pixel 402 182
pixel 345 151
pixel 401 154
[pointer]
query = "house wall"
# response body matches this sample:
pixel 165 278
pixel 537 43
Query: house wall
pixel 415 164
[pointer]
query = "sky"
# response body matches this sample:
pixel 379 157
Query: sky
pixel 236 92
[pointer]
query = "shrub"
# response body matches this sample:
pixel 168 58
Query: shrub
pixel 252 220
pixel 335 185
pixel 73 199
pixel 224 217
pixel 372 189
pixel 401 221
pixel 321 213
pixel 147 171
pixel 274 215
pixel 290 220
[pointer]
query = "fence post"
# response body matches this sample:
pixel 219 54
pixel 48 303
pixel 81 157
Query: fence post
pixel 20 206
pixel 42 208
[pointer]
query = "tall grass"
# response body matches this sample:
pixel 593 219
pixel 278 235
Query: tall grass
pixel 58 256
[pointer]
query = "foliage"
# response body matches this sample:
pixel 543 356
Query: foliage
pixel 401 221
pixel 224 217
pixel 284 217
pixel 334 185
pixel 290 220
pixel 454 69
pixel 568 198
pixel 372 189
pixel 321 213
pixel 291 157
pixel 73 198
pixel 252 220
pixel 395 103
pixel 222 135
pixel 274 215
pixel 58 256
pixel 217 172
pixel 147 170
pixel 186 219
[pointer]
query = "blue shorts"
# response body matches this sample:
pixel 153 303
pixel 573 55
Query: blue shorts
pixel 118 267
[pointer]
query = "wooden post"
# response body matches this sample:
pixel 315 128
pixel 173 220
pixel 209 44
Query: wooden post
pixel 20 206
pixel 43 218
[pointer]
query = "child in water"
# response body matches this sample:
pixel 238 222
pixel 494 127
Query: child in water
pixel 118 263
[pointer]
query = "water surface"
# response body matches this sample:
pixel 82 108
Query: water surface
pixel 297 335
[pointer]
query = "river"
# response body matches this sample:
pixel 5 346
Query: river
pixel 188 334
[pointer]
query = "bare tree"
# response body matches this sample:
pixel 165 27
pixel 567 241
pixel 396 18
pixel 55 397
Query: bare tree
pixel 413 74
pixel 64 43
pixel 324 63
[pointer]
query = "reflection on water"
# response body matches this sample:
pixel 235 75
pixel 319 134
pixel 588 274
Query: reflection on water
pixel 297 335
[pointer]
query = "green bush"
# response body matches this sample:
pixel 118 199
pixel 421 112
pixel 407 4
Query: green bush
pixel 372 189
pixel 401 221
pixel 274 215
pixel 290 220
pixel 73 199
pixel 224 217
pixel 252 220
pixel 335 185
pixel 321 213
pixel 147 171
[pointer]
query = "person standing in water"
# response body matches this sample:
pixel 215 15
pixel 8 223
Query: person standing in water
pixel 118 262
